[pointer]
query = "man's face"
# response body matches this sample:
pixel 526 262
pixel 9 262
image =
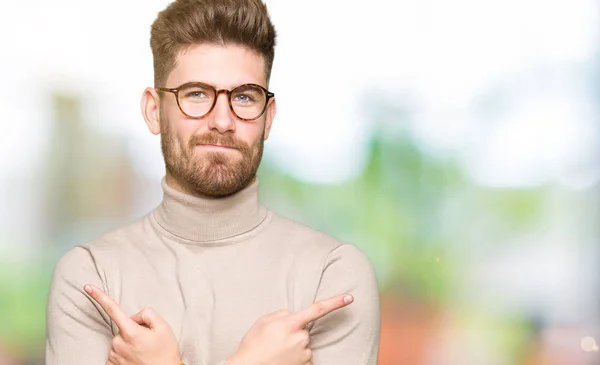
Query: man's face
pixel 218 154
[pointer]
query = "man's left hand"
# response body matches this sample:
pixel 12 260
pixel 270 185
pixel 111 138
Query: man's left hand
pixel 144 339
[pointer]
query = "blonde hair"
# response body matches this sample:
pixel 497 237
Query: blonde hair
pixel 188 22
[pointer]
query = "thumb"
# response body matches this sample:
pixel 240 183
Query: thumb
pixel 148 317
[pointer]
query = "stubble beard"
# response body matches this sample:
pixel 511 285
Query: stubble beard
pixel 214 174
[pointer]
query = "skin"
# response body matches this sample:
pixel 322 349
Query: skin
pixel 214 156
pixel 144 338
pixel 276 338
pixel 281 338
pixel 194 164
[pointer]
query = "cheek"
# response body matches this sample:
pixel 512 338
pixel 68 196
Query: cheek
pixel 250 133
pixel 180 128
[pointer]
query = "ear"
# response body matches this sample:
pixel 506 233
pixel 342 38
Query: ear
pixel 271 111
pixel 151 109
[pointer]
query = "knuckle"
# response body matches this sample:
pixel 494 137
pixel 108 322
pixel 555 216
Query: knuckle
pixel 267 318
pixel 320 309
pixel 283 312
pixel 110 309
pixel 291 323
pixel 264 319
pixel 123 334
pixel 304 337
pixel 116 343
pixel 307 355
pixel 112 356
pixel 146 311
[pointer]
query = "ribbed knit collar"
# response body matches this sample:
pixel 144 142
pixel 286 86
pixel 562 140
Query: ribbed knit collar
pixel 203 219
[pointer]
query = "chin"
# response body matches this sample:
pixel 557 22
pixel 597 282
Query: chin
pixel 218 158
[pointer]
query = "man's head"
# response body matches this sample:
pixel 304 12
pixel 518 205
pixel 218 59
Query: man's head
pixel 223 44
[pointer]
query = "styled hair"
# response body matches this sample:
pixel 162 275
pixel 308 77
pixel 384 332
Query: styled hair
pixel 189 22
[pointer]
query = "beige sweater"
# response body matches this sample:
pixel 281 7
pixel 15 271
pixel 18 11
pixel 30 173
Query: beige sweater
pixel 211 268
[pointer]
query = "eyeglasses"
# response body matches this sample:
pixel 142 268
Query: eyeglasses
pixel 196 99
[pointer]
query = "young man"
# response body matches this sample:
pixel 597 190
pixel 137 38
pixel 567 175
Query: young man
pixel 211 276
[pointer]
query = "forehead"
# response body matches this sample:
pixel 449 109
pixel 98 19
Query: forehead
pixel 222 66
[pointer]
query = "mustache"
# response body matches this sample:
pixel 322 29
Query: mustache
pixel 212 138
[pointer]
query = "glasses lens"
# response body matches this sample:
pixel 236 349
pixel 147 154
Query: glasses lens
pixel 248 101
pixel 196 99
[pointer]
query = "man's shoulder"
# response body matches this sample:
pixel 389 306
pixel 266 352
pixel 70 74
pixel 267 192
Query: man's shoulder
pixel 107 247
pixel 109 243
pixel 293 231
pixel 121 237
pixel 298 234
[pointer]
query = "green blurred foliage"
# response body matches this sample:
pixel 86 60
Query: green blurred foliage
pixel 406 210
pixel 413 214
pixel 23 295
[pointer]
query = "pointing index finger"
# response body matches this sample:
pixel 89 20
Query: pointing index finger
pixel 123 322
pixel 320 309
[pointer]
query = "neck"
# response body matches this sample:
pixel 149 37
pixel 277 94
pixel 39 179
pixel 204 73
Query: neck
pixel 198 218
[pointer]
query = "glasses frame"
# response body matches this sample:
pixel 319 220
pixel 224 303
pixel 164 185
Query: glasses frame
pixel 175 91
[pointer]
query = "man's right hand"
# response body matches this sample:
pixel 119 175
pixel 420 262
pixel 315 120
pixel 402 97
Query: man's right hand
pixel 281 338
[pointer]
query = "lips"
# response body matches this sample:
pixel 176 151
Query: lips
pixel 216 141
pixel 215 145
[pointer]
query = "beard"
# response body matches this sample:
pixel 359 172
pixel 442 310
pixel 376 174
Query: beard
pixel 214 174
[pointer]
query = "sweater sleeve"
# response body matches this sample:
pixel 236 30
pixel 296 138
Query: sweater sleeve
pixel 77 331
pixel 349 335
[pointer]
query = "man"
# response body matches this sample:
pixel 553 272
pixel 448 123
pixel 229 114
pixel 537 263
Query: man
pixel 211 276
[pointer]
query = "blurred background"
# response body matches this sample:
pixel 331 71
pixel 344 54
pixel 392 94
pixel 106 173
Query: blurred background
pixel 457 143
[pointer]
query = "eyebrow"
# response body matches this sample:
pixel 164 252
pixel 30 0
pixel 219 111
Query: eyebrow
pixel 230 88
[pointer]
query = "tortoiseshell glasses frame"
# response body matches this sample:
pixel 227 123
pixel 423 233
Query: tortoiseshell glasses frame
pixel 262 92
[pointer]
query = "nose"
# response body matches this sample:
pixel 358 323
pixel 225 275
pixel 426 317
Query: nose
pixel 221 118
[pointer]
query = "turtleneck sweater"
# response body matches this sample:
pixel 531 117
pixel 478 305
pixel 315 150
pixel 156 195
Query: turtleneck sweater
pixel 211 267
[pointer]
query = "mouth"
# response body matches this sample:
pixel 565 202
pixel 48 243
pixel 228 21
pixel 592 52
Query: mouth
pixel 216 146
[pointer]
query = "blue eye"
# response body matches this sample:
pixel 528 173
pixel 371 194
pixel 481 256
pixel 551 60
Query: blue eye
pixel 243 98
pixel 196 94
